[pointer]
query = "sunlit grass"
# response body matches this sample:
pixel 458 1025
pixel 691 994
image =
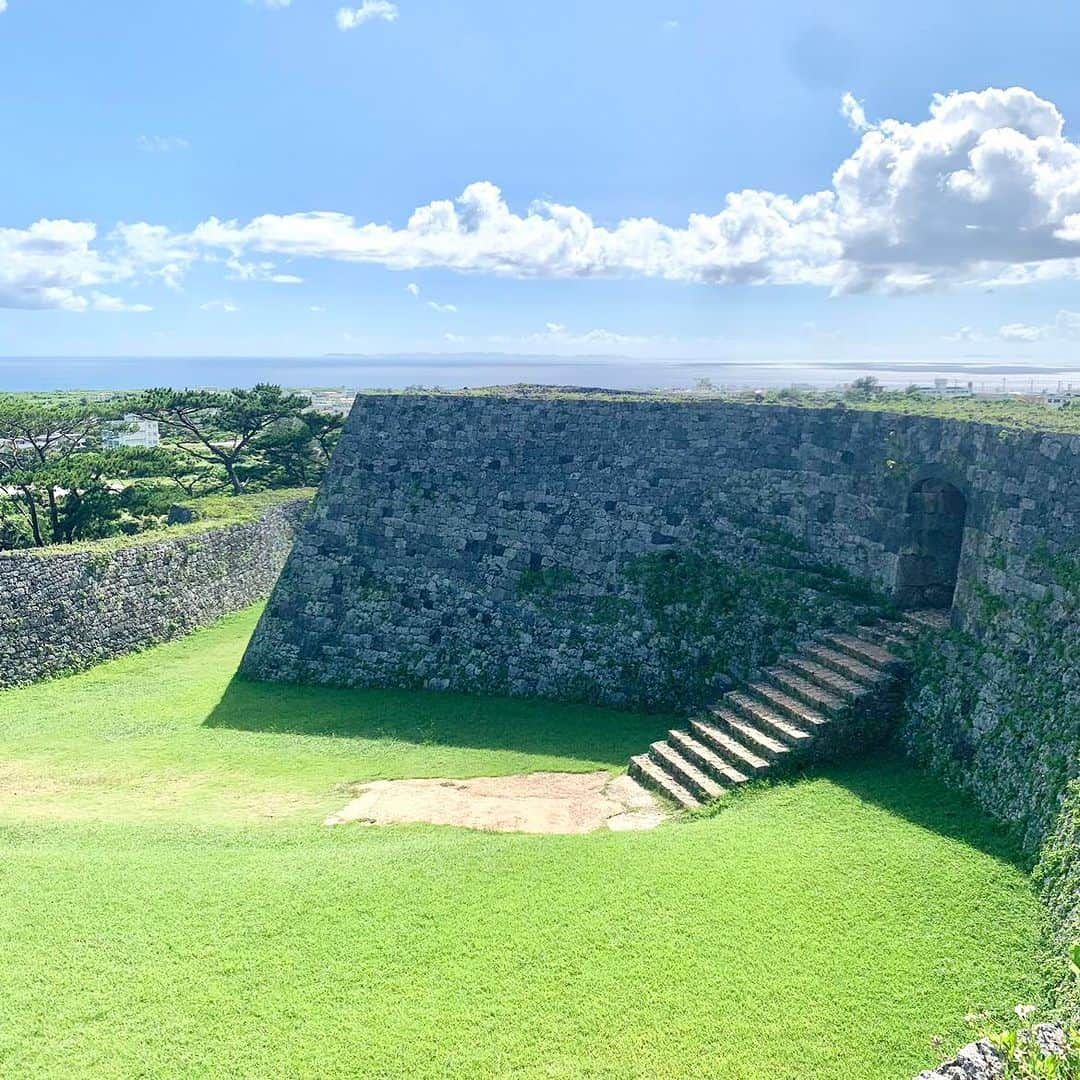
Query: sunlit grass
pixel 173 906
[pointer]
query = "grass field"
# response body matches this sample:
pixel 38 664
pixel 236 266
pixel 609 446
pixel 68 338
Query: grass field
pixel 173 907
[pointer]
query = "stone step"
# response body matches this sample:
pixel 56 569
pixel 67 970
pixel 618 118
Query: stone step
pixel 743 731
pixel 888 637
pixel 766 718
pixel 685 772
pixel 707 760
pixel 824 676
pixel 928 619
pixel 733 751
pixel 792 684
pixel 646 772
pixel 870 677
pixel 789 708
pixel 864 651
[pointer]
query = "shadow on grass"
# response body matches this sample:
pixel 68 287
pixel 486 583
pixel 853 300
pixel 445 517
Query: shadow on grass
pixel 887 779
pixel 581 732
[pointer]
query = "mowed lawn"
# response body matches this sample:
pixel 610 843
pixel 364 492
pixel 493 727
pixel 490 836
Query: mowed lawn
pixel 172 905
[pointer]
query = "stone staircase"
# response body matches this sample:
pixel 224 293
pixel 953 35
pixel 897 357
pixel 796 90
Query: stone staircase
pixel 827 695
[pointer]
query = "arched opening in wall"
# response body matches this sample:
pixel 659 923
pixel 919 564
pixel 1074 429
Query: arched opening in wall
pixel 930 556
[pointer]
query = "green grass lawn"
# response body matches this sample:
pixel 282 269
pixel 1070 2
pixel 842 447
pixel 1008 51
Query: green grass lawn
pixel 173 907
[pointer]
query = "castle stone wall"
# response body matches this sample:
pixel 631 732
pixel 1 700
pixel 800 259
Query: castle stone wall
pixel 518 544
pixel 64 611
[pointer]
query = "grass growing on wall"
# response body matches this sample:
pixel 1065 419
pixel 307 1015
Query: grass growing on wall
pixel 173 906
pixel 212 512
pixel 1014 414
pixel 999 716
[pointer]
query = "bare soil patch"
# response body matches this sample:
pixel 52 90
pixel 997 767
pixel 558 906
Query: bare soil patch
pixel 543 802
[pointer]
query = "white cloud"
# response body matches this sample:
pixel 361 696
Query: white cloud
pixel 455 339
pixel 316 308
pixel 153 250
pixel 219 305
pixel 965 333
pixel 238 270
pixel 163 144
pixel 558 334
pixel 274 5
pixel 986 188
pixel 351 18
pixel 670 25
pixel 105 302
pixel 852 111
pixel 1067 324
pixel 447 309
pixel 3 6
pixel 1021 332
pixel 44 265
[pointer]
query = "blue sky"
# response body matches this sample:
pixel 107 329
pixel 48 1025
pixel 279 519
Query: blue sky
pixel 229 177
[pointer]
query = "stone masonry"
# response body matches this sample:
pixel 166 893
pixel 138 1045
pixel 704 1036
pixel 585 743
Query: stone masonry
pixel 470 542
pixel 64 611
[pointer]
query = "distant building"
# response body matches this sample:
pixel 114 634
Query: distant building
pixel 942 388
pixel 331 401
pixel 1062 399
pixel 131 432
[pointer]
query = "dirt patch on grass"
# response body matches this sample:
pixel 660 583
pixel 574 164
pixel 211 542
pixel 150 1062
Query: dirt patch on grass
pixel 31 791
pixel 542 802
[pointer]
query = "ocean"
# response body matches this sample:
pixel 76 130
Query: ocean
pixel 458 371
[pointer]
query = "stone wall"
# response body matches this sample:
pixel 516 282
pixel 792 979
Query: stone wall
pixel 635 552
pixel 651 552
pixel 998 715
pixel 64 611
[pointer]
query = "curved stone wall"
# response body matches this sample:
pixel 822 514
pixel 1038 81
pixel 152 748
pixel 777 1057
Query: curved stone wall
pixel 64 611
pixel 475 542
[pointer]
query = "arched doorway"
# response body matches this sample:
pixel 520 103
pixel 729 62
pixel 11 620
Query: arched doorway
pixel 934 535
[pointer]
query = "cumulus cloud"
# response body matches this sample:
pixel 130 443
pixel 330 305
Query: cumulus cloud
pixel 984 190
pixel 987 188
pixel 1065 325
pixel 557 334
pixel 239 270
pixel 163 144
pixel 852 111
pixel 447 309
pixel 1021 332
pixel 105 302
pixel 965 333
pixel 219 305
pixel 45 265
pixel 152 250
pixel 3 6
pixel 351 18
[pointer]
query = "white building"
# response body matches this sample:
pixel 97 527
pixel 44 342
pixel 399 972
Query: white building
pixel 132 432
pixel 942 388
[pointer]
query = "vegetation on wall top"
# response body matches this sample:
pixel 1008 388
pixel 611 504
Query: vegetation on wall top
pixel 1017 414
pixel 208 512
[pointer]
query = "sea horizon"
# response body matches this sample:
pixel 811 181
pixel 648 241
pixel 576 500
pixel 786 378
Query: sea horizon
pixel 459 371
